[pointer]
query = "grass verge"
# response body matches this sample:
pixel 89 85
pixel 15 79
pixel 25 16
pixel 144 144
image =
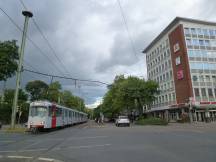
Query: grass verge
pixel 15 130
pixel 151 121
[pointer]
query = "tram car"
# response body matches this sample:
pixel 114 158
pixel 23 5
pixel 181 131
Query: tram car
pixel 48 115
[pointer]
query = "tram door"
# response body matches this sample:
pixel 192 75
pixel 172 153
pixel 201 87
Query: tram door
pixel 53 116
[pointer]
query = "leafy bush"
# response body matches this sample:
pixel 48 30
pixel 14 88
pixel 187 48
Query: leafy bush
pixel 151 121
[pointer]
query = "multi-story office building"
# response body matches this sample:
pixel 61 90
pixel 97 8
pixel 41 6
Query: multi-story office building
pixel 182 59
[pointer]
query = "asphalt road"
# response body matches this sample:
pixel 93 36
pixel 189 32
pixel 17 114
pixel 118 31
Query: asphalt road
pixel 90 142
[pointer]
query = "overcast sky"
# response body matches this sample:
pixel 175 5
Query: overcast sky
pixel 90 37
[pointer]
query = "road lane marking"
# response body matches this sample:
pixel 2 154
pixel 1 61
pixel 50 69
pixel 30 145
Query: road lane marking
pixel 19 157
pixel 48 159
pixel 82 147
pixel 45 159
pixel 29 150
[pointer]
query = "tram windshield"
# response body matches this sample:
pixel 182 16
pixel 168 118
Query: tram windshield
pixel 38 111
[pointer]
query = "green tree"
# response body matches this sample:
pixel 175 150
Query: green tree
pixel 8 59
pixel 127 94
pixel 6 107
pixel 37 89
pixel 71 101
pixel 54 93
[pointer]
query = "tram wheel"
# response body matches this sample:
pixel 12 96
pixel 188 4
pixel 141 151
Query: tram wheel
pixel 34 130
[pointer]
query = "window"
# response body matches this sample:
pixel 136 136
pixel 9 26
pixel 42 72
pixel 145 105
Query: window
pixel 199 31
pixel 188 41
pixel 178 60
pixel 211 32
pixel 38 111
pixel 210 93
pixel 207 78
pixel 195 42
pixel 201 78
pixel 205 31
pixel 196 91
pixel 195 78
pixel 193 31
pixel 215 92
pixel 207 42
pixel 214 78
pixel 203 91
pixel 186 30
pixel 201 42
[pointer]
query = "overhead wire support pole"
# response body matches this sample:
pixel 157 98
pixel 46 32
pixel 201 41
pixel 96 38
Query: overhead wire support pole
pixel 27 15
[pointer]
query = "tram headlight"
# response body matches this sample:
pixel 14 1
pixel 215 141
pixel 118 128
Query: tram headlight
pixel 43 122
pixel 31 122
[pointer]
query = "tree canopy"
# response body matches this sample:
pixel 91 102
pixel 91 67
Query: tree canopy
pixel 8 59
pixel 127 94
pixel 37 89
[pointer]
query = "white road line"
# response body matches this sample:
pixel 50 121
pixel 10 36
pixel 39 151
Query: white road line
pixel 20 157
pixel 48 159
pixel 29 150
pixel 45 159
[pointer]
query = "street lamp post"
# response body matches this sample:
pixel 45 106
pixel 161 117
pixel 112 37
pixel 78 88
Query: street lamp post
pixel 27 15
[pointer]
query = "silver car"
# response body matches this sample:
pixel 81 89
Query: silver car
pixel 122 121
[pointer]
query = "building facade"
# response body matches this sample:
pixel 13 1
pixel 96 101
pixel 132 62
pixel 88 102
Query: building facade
pixel 182 60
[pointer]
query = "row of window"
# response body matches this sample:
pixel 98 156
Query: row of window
pixel 202 53
pixel 204 78
pixel 201 42
pixel 158 59
pixel 202 66
pixel 161 48
pixel 204 92
pixel 199 31
pixel 160 68
pixel 165 98
pixel 166 86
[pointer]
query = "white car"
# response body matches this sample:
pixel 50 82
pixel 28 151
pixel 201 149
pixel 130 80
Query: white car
pixel 122 121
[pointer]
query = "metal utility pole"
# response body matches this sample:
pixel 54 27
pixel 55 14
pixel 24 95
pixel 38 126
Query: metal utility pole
pixel 27 15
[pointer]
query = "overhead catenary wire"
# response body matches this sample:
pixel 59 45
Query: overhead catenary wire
pixel 32 42
pixel 63 77
pixel 127 29
pixel 45 38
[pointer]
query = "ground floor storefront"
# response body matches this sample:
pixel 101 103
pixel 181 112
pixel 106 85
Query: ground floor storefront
pixel 186 113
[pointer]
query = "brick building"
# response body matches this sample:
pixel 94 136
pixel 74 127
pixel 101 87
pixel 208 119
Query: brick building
pixel 182 59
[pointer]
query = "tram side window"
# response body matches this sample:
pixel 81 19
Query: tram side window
pixel 58 112
pixel 50 111
pixel 70 114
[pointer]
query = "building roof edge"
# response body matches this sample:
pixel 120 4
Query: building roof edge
pixel 175 21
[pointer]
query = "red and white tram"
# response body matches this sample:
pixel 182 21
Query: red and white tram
pixel 46 115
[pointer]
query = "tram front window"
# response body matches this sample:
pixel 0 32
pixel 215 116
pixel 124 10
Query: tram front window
pixel 38 111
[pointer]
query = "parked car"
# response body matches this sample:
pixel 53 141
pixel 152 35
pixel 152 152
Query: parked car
pixel 122 121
